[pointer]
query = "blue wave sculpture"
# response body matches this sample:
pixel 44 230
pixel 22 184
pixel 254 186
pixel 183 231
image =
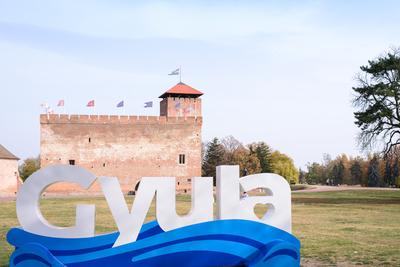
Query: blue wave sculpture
pixel 214 243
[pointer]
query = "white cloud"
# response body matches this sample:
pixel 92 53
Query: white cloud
pixel 185 20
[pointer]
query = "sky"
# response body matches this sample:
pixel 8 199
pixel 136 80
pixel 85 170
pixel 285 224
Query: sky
pixel 273 71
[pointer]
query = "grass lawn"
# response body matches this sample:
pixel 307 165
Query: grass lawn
pixel 344 228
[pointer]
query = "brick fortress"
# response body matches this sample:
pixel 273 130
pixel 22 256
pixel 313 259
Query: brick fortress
pixel 129 147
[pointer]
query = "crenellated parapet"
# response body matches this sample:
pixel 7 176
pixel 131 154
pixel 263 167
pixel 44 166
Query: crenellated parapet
pixel 115 119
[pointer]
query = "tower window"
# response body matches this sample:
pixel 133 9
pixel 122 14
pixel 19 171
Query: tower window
pixel 71 162
pixel 182 159
pixel 90 139
pixel 104 164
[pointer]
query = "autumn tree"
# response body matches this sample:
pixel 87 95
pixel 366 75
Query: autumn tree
pixel 284 166
pixel 254 158
pixel 249 163
pixel 395 173
pixel 29 166
pixel 314 173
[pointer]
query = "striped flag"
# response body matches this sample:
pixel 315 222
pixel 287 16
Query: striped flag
pixel 148 104
pixel 120 104
pixel 90 103
pixel 60 103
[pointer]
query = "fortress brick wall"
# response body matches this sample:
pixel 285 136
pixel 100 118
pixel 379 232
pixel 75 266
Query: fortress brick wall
pixel 127 147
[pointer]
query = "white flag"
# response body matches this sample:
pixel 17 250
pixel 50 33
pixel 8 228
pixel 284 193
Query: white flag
pixel 175 72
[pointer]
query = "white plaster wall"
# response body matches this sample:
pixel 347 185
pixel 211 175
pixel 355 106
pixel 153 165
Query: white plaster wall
pixel 8 177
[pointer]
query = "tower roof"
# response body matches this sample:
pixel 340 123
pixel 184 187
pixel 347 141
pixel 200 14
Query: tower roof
pixel 183 90
pixel 5 154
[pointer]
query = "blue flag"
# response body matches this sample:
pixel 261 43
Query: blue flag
pixel 148 104
pixel 120 104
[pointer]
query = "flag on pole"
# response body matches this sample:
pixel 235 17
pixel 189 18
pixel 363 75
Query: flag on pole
pixel 148 104
pixel 175 72
pixel 90 103
pixel 120 104
pixel 60 103
pixel 46 108
pixel 177 105
pixel 44 105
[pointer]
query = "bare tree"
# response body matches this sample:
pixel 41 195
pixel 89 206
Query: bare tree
pixel 230 144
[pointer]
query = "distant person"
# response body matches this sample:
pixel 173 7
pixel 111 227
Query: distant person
pixel 245 172
pixel 327 182
pixel 244 194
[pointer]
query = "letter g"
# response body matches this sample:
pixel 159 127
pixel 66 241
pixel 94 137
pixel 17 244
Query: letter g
pixel 28 212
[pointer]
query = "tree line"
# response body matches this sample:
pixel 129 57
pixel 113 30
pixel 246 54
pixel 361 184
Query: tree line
pixel 253 158
pixel 373 170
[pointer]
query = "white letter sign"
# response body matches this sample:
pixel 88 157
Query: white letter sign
pixel 129 221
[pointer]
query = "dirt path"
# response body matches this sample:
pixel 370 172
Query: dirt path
pixel 326 188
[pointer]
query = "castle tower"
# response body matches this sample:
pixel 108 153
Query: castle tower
pixel 181 101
